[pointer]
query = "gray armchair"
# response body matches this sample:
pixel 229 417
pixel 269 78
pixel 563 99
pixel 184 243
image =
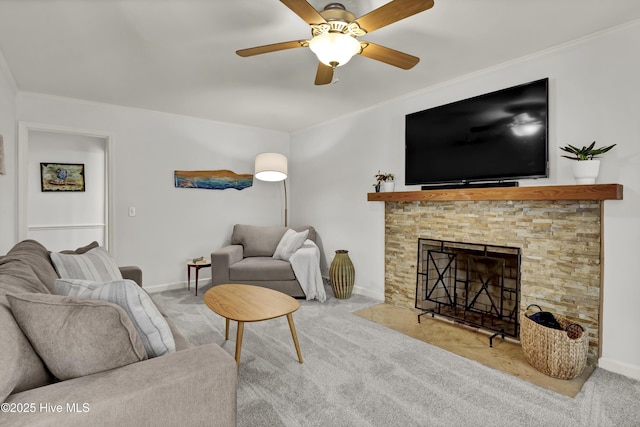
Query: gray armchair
pixel 249 259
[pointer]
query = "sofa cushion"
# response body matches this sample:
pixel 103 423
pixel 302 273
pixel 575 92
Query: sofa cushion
pixel 256 240
pixel 20 367
pixel 95 264
pixel 147 319
pixel 263 240
pixel 77 337
pixel 290 242
pixel 26 268
pixel 261 268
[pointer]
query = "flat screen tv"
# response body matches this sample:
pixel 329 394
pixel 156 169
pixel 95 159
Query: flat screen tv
pixel 497 137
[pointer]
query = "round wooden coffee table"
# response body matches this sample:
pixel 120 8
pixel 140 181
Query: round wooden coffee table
pixel 248 303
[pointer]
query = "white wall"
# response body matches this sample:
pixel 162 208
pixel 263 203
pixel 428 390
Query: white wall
pixel 8 201
pixel 171 224
pixel 594 89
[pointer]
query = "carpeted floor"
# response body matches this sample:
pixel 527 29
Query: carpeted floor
pixel 359 373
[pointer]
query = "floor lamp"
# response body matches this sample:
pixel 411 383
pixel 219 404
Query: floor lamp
pixel 273 167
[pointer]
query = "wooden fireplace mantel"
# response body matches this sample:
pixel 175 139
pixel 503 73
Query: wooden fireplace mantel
pixel 550 192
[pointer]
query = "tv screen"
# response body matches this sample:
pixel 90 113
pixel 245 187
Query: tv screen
pixel 498 136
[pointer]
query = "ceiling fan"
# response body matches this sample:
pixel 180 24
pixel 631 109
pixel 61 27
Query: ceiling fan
pixel 335 31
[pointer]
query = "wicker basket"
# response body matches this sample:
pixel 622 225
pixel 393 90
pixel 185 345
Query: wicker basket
pixel 556 353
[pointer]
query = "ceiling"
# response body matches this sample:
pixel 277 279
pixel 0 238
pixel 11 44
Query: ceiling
pixel 178 56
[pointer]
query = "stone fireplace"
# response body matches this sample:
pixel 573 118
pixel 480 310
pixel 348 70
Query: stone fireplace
pixel 559 236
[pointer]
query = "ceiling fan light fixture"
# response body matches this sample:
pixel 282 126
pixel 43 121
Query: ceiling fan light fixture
pixel 335 31
pixel 334 49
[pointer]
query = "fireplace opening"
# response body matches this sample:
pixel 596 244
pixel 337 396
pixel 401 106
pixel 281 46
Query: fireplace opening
pixel 474 284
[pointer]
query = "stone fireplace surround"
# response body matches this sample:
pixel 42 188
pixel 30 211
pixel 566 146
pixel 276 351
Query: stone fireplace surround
pixel 558 228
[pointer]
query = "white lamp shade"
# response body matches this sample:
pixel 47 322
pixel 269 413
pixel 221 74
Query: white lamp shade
pixel 334 49
pixel 271 167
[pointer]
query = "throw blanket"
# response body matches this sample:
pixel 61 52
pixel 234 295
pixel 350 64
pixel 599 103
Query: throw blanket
pixel 305 263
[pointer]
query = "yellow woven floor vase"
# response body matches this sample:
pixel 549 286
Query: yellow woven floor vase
pixel 342 274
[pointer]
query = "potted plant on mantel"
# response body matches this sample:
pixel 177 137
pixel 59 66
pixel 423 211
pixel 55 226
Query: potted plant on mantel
pixel 384 180
pixel 586 168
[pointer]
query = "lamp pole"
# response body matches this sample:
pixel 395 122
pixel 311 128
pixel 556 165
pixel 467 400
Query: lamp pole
pixel 284 184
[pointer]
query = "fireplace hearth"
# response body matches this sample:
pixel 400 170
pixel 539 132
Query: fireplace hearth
pixel 474 284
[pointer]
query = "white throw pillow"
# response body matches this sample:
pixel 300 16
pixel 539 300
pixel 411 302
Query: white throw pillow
pixel 290 242
pixel 96 265
pixel 152 327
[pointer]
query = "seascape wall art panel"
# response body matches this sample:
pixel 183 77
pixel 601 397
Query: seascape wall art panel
pixel 212 180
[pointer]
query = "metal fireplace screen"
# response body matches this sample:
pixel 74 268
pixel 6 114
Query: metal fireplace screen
pixel 471 283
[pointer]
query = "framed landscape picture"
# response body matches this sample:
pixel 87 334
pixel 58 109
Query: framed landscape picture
pixel 62 176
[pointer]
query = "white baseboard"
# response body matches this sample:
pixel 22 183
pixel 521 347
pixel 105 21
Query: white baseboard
pixel 176 285
pixel 154 289
pixel 368 293
pixel 631 371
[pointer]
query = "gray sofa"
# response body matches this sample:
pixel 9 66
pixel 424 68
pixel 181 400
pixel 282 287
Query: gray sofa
pixel 193 386
pixel 249 259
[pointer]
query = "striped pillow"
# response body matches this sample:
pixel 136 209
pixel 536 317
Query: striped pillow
pixel 152 327
pixel 96 265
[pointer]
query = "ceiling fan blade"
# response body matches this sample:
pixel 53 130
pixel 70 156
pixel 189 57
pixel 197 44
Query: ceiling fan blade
pixel 392 12
pixel 305 11
pixel 271 48
pixel 389 56
pixel 324 75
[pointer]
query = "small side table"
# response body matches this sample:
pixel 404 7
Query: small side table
pixel 197 266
